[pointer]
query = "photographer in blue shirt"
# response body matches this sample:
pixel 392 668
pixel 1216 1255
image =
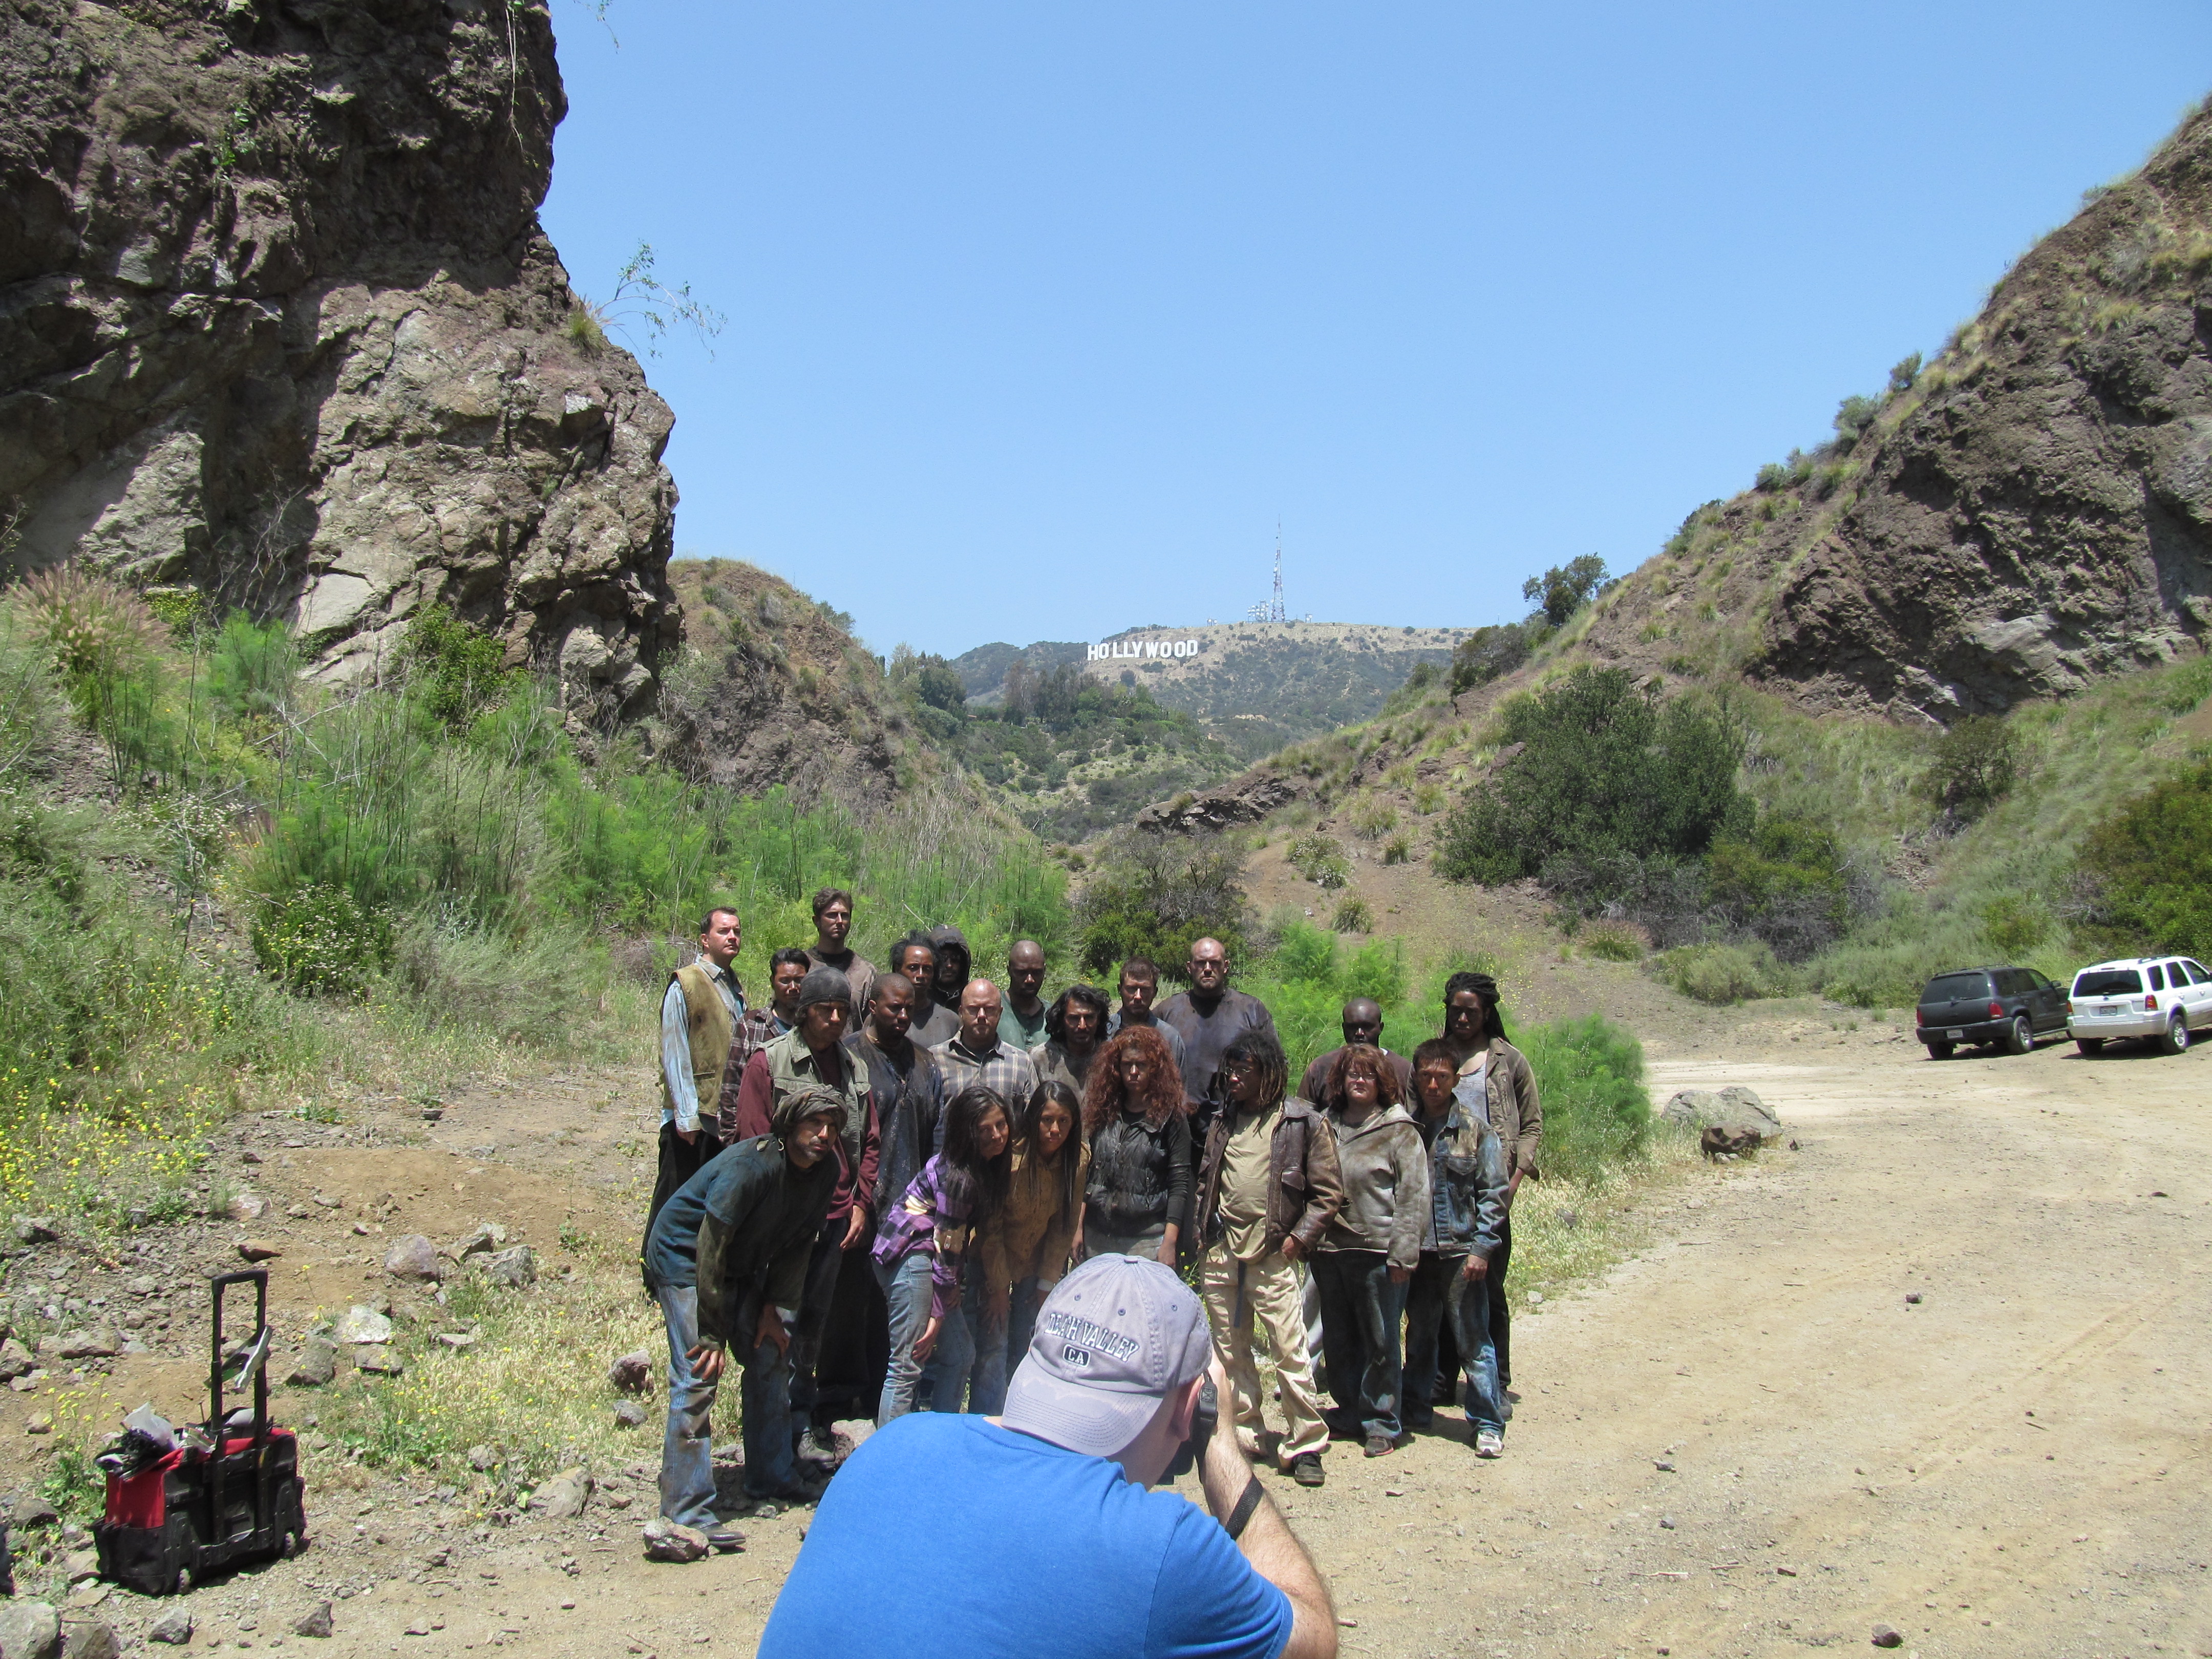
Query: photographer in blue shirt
pixel 923 1543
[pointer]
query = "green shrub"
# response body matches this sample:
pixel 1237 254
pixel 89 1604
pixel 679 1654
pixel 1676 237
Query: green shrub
pixel 1398 848
pixel 2151 865
pixel 1606 769
pixel 1352 915
pixel 1492 651
pixel 1613 941
pixel 1153 895
pixel 321 938
pixel 1373 819
pixel 1565 589
pixel 1590 1079
pixel 251 668
pixel 1723 973
pixel 2015 924
pixel 1976 763
pixel 1784 882
pixel 1319 859
pixel 456 671
pixel 524 991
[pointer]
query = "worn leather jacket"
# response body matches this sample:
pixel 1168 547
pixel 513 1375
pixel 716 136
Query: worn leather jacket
pixel 1304 1189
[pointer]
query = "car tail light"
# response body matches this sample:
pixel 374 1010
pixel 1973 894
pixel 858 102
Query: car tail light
pixel 1996 1010
pixel 1919 1016
pixel 2150 1004
pixel 2070 1007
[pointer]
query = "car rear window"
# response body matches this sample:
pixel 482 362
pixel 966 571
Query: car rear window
pixel 2108 982
pixel 1956 988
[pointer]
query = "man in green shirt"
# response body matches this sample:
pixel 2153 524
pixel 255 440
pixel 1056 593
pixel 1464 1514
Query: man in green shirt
pixel 1021 1021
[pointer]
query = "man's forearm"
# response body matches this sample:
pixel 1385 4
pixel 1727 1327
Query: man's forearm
pixel 1271 1546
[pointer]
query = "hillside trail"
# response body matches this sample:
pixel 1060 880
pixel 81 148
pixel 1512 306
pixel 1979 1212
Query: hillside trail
pixel 2016 1464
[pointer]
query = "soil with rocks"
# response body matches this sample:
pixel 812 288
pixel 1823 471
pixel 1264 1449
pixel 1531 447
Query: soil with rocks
pixel 1749 1437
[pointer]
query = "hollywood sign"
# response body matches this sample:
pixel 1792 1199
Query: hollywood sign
pixel 1120 648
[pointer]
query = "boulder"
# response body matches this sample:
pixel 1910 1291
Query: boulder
pixel 414 1257
pixel 671 1540
pixel 632 1373
pixel 314 1623
pixel 174 1627
pixel 363 1325
pixel 33 1630
pixel 86 1638
pixel 16 1360
pixel 564 1496
pixel 32 1510
pixel 513 1268
pixel 317 1365
pixel 1734 1108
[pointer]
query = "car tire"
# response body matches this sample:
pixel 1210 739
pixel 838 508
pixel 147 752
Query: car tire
pixel 2020 1036
pixel 2176 1040
pixel 1939 1051
pixel 2089 1045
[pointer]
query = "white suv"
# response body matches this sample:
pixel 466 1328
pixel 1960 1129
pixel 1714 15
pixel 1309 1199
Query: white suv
pixel 2163 997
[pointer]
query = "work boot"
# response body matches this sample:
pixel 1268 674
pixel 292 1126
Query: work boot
pixel 815 1446
pixel 1306 1470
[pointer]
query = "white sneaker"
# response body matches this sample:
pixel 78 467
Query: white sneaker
pixel 1488 1443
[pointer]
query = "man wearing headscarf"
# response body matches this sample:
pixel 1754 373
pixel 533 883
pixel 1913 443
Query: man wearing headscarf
pixel 727 1258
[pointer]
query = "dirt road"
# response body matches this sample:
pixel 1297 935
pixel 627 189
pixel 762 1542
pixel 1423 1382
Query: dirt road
pixel 2013 1465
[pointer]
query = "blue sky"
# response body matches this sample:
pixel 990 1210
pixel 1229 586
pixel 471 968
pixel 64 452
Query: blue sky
pixel 1040 317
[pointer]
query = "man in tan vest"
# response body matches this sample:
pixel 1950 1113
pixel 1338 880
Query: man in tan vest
pixel 698 1017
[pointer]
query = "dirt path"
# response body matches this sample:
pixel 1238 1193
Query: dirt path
pixel 2013 1465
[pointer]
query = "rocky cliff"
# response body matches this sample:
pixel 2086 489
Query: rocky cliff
pixel 2029 512
pixel 277 321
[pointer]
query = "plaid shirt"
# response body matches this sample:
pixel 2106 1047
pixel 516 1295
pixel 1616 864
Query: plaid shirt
pixel 757 1029
pixel 1004 1070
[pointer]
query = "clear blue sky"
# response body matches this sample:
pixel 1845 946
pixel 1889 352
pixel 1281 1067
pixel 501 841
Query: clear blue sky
pixel 1041 316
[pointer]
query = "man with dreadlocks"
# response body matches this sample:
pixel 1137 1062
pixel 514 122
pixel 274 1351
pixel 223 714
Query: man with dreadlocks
pixel 1268 1187
pixel 1495 1080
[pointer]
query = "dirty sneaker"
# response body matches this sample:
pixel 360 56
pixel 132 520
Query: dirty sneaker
pixel 1381 1445
pixel 1488 1443
pixel 1306 1470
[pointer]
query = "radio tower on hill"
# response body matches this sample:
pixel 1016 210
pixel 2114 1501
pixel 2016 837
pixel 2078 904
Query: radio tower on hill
pixel 1271 609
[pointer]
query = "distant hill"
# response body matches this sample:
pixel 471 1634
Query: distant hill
pixel 1252 686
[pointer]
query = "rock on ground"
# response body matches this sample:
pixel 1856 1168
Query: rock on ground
pixel 632 1373
pixel 174 1627
pixel 363 1325
pixel 315 1622
pixel 88 1639
pixel 317 1365
pixel 564 1496
pixel 1734 1108
pixel 513 1268
pixel 671 1540
pixel 628 1415
pixel 33 1630
pixel 414 1257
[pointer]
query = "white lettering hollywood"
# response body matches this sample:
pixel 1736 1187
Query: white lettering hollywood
pixel 1113 649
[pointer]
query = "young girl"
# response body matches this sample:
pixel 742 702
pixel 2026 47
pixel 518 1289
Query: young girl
pixel 1025 1249
pixel 921 1251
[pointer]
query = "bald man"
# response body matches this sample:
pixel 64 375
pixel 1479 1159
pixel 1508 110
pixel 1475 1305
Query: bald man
pixel 1363 1023
pixel 980 1055
pixel 1022 1021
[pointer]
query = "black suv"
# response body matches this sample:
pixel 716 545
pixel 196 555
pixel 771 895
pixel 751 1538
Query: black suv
pixel 2011 1007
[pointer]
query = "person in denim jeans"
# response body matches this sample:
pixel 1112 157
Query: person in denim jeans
pixel 1467 1209
pixel 921 1254
pixel 1372 1245
pixel 726 1257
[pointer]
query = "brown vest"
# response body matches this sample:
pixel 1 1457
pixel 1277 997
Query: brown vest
pixel 711 1029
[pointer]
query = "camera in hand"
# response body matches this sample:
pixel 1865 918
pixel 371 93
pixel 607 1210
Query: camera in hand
pixel 1202 1424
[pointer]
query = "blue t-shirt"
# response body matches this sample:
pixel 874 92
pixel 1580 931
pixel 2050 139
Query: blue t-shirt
pixel 945 1535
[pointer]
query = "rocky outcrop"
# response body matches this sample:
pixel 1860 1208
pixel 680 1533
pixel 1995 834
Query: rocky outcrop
pixel 1245 799
pixel 277 321
pixel 2027 514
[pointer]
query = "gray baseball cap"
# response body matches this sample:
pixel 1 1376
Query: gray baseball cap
pixel 1112 1340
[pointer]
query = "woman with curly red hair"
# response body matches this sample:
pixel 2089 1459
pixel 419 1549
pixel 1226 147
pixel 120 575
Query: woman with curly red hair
pixel 1135 1115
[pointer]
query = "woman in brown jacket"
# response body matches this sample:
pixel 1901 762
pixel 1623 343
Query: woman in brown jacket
pixel 1025 1248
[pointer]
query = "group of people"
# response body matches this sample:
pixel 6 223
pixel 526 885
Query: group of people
pixel 869 1189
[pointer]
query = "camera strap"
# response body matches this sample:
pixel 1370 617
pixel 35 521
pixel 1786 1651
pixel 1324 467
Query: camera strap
pixel 1240 1516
